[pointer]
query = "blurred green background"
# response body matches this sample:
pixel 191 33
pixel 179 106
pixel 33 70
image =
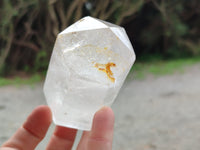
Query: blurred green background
pixel 160 31
pixel 158 110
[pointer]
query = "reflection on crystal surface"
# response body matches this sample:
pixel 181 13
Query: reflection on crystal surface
pixel 89 64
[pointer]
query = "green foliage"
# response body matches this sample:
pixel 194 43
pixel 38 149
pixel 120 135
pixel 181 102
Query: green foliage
pixel 164 29
pixel 41 61
pixel 168 28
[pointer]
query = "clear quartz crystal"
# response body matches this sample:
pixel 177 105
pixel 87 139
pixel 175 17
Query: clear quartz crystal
pixel 88 66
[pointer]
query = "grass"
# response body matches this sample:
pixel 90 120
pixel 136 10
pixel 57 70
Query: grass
pixel 139 71
pixel 161 67
pixel 21 81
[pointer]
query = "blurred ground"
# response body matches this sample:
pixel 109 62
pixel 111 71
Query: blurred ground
pixel 151 114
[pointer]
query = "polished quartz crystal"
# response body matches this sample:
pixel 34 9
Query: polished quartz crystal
pixel 90 61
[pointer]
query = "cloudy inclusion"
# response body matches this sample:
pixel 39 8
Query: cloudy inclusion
pixel 75 88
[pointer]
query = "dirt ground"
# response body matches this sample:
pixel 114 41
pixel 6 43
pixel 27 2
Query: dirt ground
pixel 156 113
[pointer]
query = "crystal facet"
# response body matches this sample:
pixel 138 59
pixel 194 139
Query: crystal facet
pixel 88 66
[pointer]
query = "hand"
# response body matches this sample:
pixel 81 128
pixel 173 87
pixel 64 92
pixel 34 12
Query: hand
pixel 35 127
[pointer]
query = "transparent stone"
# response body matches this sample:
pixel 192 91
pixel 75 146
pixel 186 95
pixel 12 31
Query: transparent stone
pixel 88 66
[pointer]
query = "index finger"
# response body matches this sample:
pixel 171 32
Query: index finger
pixel 101 135
pixel 32 131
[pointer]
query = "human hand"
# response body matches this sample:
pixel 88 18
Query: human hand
pixel 35 127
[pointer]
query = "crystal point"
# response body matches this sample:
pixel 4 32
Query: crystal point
pixel 89 63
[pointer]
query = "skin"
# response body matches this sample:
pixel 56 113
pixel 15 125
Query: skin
pixel 34 129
